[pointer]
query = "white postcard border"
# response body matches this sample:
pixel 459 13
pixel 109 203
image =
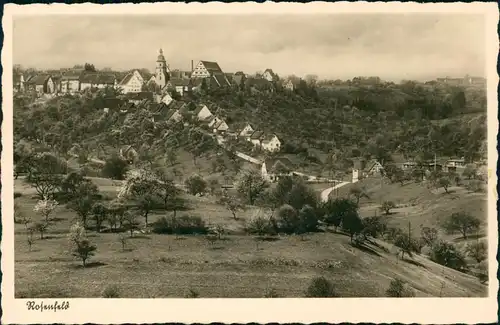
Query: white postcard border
pixel 299 310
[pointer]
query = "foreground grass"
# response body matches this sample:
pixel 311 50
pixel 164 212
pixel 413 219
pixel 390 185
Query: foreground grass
pixel 238 266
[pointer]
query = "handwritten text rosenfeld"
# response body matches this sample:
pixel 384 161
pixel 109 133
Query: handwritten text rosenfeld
pixel 42 306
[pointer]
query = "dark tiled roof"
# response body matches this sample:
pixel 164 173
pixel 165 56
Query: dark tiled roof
pixel 140 95
pixel 40 79
pixel 257 135
pixel 274 164
pixel 127 78
pixel 268 138
pixel 177 82
pixel 211 66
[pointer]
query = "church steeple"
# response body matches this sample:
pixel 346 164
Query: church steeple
pixel 161 73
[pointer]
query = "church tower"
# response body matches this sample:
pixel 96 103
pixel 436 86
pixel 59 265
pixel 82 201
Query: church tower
pixel 161 72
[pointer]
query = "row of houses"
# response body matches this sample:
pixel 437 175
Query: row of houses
pixel 465 81
pixel 374 167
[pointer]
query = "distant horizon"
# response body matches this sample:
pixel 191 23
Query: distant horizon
pixel 422 47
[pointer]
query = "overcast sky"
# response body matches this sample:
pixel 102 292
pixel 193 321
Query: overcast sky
pixel 394 47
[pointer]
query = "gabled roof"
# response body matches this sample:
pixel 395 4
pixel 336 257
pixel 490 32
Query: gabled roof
pixel 171 113
pixel 71 75
pixel 271 72
pixel 40 79
pixel 199 108
pixel 370 164
pixel 257 135
pixel 269 137
pixel 179 82
pixel 211 66
pixel 274 164
pixel 88 78
pixel 140 95
pixel 258 82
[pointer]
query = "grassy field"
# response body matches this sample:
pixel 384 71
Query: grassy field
pixel 238 266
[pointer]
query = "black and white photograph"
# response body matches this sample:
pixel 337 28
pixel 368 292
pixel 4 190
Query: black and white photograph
pixel 236 155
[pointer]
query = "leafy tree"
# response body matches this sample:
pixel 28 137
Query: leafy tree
pixel 399 289
pixel 477 250
pixel 448 255
pixel 195 184
pixel 251 185
pixel 337 209
pixel 406 244
pixel 352 223
pixel 167 190
pixel 387 206
pixel 214 186
pixel 84 200
pixel 115 168
pixel 444 183
pixel 41 227
pixel 308 219
pixel 45 174
pixel 358 193
pixel 429 236
pixel 260 226
pixel 373 226
pixel 287 219
pixel 131 224
pixel 462 222
pixel 470 171
pixel 320 288
pixel 45 208
pixel 100 213
pixel 231 203
pixel 70 185
pixel 82 248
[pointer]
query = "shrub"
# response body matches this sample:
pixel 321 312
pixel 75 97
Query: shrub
pixel 320 288
pixel 183 225
pixel 260 226
pixel 478 251
pixel 287 219
pixel 399 289
pixel 448 255
pixel 271 293
pixel 115 168
pixel 192 294
pixel 387 206
pixel 195 184
pixel 475 186
pixel 17 194
pixel 111 292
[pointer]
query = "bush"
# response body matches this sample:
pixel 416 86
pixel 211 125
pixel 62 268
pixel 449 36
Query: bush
pixel 111 292
pixel 183 225
pixel 399 289
pixel 196 185
pixel 115 168
pixel 448 255
pixel 192 294
pixel 17 194
pixel 260 226
pixel 288 219
pixel 475 186
pixel 271 293
pixel 320 288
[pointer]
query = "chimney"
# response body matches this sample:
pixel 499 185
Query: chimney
pixel 192 65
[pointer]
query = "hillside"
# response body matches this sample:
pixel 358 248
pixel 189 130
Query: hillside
pixel 238 266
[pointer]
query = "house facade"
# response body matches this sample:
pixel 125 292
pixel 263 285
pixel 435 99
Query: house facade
pixel 271 143
pixel 205 69
pixel 202 112
pixel 132 83
pixel 174 116
pixel 70 83
pixel 269 75
pixel 167 99
pixel 41 84
pixel 273 169
pixel 246 131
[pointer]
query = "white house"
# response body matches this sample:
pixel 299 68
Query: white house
pixel 269 75
pixel 274 168
pixel 174 116
pixel 220 126
pixel 246 131
pixel 167 99
pixel 132 82
pixel 205 69
pixel 202 112
pixel 271 143
pixel 70 83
